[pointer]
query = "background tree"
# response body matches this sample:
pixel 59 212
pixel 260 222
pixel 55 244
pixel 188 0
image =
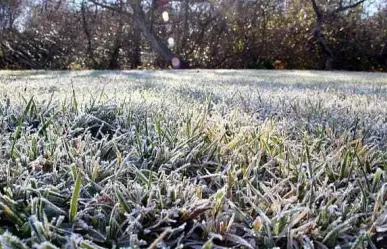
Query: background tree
pixel 326 14
pixel 130 34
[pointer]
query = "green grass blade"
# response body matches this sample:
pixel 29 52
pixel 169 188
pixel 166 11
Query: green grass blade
pixel 75 197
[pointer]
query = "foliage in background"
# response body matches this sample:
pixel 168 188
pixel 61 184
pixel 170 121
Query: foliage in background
pixel 98 34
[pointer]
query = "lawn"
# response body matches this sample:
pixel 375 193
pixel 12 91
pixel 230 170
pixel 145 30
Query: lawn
pixel 193 159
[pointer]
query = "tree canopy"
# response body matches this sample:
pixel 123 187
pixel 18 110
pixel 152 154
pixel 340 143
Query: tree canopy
pixel 131 34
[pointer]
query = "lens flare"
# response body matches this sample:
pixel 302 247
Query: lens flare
pixel 165 16
pixel 171 42
pixel 175 62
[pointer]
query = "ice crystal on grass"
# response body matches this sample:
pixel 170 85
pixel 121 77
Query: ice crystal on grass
pixel 194 159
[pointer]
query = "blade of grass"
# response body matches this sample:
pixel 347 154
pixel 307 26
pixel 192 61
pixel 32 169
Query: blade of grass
pixel 75 197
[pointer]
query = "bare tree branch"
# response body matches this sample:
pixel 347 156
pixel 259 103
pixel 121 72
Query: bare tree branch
pixel 344 8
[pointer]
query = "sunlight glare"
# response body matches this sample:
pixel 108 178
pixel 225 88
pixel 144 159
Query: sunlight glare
pixel 175 62
pixel 165 16
pixel 171 42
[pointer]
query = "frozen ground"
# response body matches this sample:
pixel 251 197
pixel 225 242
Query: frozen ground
pixel 193 158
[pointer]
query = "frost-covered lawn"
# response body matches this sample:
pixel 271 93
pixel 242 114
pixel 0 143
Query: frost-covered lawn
pixel 193 159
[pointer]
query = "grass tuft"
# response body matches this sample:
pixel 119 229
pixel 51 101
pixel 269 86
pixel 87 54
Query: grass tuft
pixel 257 159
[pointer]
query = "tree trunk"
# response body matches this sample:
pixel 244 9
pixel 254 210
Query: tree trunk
pixel 317 32
pixel 155 42
pixel 383 55
pixel 324 45
pixel 113 63
pixel 135 61
pixel 151 14
pixel 86 30
pixel 135 58
pixel 184 37
pixel 157 45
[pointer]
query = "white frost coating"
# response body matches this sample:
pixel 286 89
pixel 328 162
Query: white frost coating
pixel 292 97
